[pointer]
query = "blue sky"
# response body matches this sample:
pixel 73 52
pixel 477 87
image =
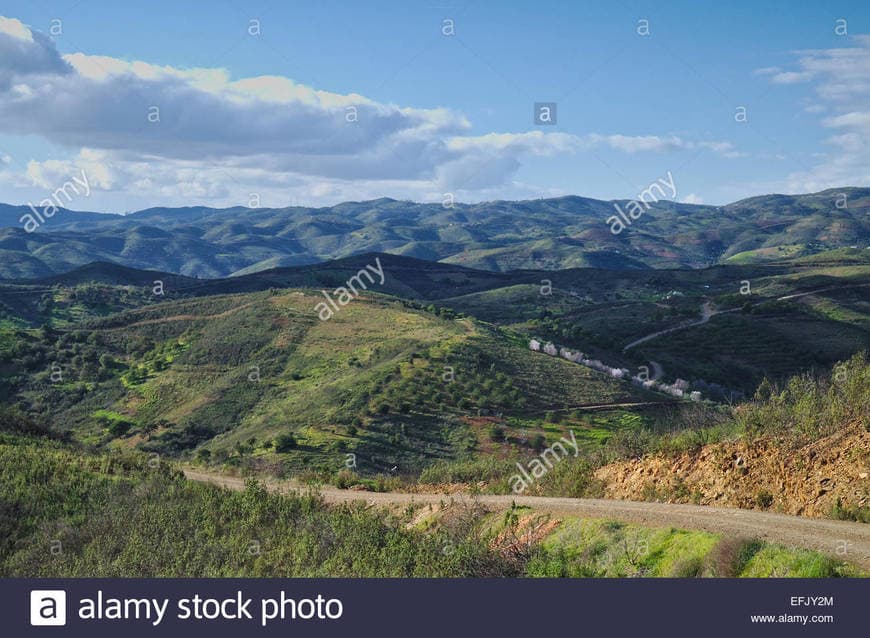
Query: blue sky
pixel 265 118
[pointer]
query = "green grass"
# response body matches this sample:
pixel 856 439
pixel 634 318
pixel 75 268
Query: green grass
pixel 605 549
pixel 775 561
pixel 66 513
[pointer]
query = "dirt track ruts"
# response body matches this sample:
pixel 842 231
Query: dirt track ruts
pixel 840 539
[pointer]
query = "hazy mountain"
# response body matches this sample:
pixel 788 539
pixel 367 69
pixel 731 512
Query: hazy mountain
pixel 548 234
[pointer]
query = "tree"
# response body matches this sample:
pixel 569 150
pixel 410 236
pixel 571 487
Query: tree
pixel 496 433
pixel 285 442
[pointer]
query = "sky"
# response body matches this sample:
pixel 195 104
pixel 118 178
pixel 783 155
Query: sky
pixel 276 104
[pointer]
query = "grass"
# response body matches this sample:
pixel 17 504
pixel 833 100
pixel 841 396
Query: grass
pixel 66 513
pixel 776 561
pixel 609 549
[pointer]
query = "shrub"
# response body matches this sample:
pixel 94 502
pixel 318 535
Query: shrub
pixel 496 433
pixel 809 406
pixel 285 443
pixel 764 499
pixel 857 513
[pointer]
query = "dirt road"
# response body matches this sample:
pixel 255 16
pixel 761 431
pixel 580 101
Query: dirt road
pixel 707 312
pixel 846 540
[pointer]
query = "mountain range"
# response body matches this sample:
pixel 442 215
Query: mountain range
pixel 542 234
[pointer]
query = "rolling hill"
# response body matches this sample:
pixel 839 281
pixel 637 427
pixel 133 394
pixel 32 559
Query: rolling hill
pixel 797 314
pixel 549 234
pixel 388 382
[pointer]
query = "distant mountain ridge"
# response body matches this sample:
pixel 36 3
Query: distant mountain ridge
pixel 544 234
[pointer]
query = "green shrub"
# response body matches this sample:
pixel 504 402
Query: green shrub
pixel 857 513
pixel 764 499
pixel 810 406
pixel 285 443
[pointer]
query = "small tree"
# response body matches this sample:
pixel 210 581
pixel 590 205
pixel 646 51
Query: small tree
pixel 285 443
pixel 496 433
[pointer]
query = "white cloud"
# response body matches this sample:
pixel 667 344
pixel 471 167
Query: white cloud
pixel 692 198
pixel 791 77
pixel 25 54
pixel 16 29
pixel 840 78
pixel 633 144
pixel 768 70
pixel 655 143
pixel 140 127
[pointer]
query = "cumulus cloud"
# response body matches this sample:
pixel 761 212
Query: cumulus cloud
pixel 25 53
pixel 840 79
pixel 135 126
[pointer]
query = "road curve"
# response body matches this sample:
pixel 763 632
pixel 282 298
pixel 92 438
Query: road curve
pixel 840 539
pixel 707 312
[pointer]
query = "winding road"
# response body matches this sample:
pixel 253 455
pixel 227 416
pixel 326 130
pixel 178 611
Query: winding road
pixel 707 312
pixel 840 539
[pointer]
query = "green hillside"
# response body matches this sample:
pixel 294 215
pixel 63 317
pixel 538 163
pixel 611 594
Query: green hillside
pixel 776 319
pixel 69 512
pixel 551 234
pixel 229 376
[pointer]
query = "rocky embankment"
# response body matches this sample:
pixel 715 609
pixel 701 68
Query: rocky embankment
pixel 808 480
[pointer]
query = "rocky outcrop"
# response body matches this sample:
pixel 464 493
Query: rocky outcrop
pixel 808 480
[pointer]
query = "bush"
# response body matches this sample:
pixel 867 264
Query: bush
pixel 284 443
pixel 571 477
pixel 119 427
pixel 123 518
pixel 496 434
pixel 764 499
pixel 857 513
pixel 487 469
pixel 810 406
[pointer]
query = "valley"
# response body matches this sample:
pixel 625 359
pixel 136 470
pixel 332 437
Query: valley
pixel 425 383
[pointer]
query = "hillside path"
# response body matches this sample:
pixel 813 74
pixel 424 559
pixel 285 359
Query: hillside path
pixel 707 312
pixel 840 539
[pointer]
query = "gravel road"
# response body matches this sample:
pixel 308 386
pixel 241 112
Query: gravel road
pixel 840 539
